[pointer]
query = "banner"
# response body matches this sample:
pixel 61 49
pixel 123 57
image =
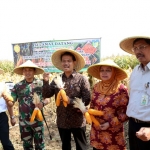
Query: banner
pixel 40 52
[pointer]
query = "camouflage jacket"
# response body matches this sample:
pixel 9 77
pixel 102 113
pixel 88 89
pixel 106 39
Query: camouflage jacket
pixel 23 93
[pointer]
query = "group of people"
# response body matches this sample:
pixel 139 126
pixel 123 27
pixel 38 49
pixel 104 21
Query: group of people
pixel 109 95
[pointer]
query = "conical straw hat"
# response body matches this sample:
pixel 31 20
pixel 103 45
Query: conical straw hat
pixel 56 59
pixel 28 64
pixel 94 70
pixel 127 43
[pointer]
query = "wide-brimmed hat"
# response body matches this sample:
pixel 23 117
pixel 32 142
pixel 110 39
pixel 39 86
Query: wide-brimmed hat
pixel 94 70
pixel 56 59
pixel 1 71
pixel 127 43
pixel 28 64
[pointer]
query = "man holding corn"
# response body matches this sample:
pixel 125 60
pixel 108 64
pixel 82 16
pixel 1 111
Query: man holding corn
pixel 24 92
pixel 69 119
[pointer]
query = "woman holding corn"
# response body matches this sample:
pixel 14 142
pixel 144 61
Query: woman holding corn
pixel 69 119
pixel 110 97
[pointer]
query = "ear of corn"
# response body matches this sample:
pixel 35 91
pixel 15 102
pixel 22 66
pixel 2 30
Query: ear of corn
pixel 64 96
pixel 33 114
pixel 39 115
pixel 58 81
pixel 95 112
pixel 58 99
pixel 88 118
pixel 65 104
pixel 7 96
pixel 94 120
pixel 36 114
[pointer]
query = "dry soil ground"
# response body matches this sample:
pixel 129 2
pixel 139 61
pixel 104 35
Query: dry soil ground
pixel 55 143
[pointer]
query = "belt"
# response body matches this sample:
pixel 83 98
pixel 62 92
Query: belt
pixel 139 121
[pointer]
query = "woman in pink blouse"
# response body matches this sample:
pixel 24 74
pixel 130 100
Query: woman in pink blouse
pixel 111 97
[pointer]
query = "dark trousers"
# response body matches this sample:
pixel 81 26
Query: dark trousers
pixel 134 142
pixel 4 132
pixel 79 137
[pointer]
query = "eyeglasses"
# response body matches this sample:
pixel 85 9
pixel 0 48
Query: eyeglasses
pixel 141 48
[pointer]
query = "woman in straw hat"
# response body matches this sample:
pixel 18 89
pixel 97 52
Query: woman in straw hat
pixel 138 109
pixel 69 120
pixel 23 93
pixel 111 97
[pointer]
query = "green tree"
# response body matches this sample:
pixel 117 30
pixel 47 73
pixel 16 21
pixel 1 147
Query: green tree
pixel 124 61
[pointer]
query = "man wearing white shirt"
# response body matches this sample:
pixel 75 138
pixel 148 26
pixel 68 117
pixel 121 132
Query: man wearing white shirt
pixel 138 109
pixel 4 125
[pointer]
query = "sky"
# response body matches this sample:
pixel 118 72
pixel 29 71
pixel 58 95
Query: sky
pixel 42 20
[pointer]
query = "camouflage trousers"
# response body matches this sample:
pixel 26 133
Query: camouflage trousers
pixel 30 134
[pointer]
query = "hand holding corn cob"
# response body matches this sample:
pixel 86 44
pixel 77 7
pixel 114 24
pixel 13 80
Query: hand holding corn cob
pixel 80 105
pixel 61 94
pixel 88 113
pixel 36 112
pixel 4 92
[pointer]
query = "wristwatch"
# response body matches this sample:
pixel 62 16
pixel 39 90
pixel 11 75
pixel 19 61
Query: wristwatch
pixel 12 117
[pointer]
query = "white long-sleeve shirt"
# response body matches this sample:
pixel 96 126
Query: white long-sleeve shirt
pixel 139 86
pixel 3 106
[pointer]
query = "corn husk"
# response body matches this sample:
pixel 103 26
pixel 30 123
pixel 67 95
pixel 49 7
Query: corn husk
pixel 58 81
pixel 36 98
pixel 38 83
pixel 79 104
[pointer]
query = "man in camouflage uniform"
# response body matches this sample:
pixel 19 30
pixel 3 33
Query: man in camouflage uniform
pixel 23 93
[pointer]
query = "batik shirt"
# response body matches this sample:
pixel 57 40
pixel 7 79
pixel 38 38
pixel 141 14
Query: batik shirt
pixel 23 93
pixel 76 85
pixel 114 107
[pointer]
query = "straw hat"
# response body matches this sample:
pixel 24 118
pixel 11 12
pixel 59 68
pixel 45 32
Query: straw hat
pixel 94 70
pixel 127 43
pixel 56 59
pixel 1 71
pixel 28 64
